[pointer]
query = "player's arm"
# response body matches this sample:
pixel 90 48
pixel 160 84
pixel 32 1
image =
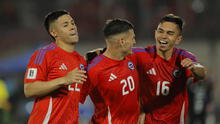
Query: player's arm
pixel 141 117
pixel 90 55
pixel 41 88
pixel 199 71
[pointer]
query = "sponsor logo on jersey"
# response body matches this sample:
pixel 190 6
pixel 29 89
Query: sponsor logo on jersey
pixel 32 73
pixel 81 66
pixel 63 67
pixel 151 71
pixel 112 77
pixel 130 65
pixel 177 73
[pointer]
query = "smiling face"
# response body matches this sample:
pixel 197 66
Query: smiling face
pixel 167 35
pixel 64 30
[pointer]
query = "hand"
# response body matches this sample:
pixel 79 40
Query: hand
pixel 141 118
pixel 75 76
pixel 187 63
pixel 90 55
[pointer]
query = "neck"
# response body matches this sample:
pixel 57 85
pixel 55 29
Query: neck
pixel 165 54
pixel 114 54
pixel 69 47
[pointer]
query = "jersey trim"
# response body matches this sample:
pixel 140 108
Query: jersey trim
pixel 135 50
pixel 182 116
pixel 94 62
pixel 42 51
pixel 184 53
pixel 109 116
pixel 49 111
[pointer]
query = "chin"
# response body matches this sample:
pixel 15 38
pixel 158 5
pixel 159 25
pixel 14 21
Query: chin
pixel 75 40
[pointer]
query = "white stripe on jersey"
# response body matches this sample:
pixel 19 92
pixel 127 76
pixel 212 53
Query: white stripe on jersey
pixel 182 116
pixel 109 117
pixel 47 117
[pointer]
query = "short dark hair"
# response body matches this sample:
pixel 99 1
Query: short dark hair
pixel 116 26
pixel 51 17
pixel 175 19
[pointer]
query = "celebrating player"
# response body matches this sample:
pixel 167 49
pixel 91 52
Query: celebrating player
pixel 164 71
pixel 55 74
pixel 113 79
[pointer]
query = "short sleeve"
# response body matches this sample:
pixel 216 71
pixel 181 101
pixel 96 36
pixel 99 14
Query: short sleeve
pixel 136 55
pixel 193 58
pixel 89 85
pixel 37 68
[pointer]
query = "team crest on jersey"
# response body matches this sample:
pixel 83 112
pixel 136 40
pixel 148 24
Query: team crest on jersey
pixel 177 73
pixel 81 66
pixel 130 65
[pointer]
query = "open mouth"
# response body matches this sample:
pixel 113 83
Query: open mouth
pixel 163 42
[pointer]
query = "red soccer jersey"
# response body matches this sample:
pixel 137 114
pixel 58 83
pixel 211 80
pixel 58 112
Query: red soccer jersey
pixel 48 63
pixel 113 88
pixel 163 88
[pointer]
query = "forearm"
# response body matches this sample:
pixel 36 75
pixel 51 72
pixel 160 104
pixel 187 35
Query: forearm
pixel 199 72
pixel 41 88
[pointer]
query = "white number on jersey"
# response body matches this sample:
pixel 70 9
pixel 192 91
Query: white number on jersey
pixel 70 88
pixel 163 88
pixel 129 82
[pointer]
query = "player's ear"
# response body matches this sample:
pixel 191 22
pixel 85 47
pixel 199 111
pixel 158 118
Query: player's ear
pixel 155 33
pixel 53 33
pixel 179 39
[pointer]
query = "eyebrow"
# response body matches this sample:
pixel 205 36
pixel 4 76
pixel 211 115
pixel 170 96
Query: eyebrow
pixel 64 22
pixel 166 31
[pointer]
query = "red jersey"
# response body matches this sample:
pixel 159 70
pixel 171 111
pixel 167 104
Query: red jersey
pixel 163 88
pixel 113 88
pixel 48 63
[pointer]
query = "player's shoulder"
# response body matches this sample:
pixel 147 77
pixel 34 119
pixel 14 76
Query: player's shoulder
pixel 42 52
pixel 46 48
pixel 147 49
pixel 96 63
pixel 184 53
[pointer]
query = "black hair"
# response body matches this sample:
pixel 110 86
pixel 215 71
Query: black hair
pixel 116 26
pixel 175 19
pixel 51 17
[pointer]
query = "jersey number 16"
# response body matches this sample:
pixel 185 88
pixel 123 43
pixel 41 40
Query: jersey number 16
pixel 163 88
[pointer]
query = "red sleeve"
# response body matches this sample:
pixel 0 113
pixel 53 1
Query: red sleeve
pixel 89 85
pixel 193 58
pixel 36 68
pixel 136 55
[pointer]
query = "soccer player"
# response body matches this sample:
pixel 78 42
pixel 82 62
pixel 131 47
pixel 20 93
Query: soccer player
pixel 55 74
pixel 164 71
pixel 113 79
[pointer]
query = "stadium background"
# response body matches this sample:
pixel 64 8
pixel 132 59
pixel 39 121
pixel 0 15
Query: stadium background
pixel 22 32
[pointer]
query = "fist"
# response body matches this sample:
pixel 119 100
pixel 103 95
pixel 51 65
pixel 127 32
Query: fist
pixel 187 63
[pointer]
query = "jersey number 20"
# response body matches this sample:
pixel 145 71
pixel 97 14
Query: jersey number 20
pixel 128 85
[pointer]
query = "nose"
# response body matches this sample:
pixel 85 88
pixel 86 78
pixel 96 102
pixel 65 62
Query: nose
pixel 134 42
pixel 164 35
pixel 72 27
